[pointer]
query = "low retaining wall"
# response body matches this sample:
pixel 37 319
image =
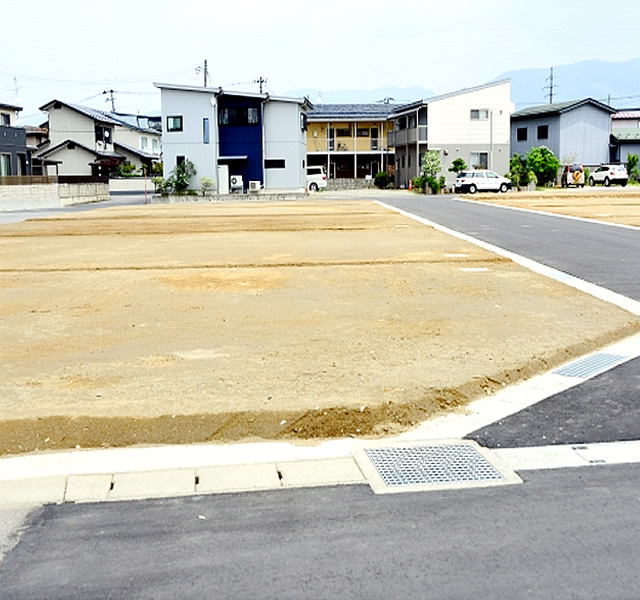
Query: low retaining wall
pixel 50 195
pixel 131 185
pixel 348 184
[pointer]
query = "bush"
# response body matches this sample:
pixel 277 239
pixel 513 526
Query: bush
pixel 458 165
pixel 434 184
pixel 544 165
pixel 126 170
pixel 381 180
pixel 206 184
pixel 419 183
pixel 632 168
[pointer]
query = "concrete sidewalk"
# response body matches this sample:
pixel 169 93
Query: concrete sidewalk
pixel 151 472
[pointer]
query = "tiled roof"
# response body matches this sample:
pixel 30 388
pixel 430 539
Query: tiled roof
pixel 626 135
pixel 135 151
pixel 558 107
pixel 97 153
pixel 351 112
pixel 627 114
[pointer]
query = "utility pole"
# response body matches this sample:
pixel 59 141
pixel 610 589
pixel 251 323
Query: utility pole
pixel 550 87
pixel 113 100
pixel 260 81
pixel 205 71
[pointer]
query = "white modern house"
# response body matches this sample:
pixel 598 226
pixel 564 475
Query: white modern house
pixel 242 141
pixel 472 124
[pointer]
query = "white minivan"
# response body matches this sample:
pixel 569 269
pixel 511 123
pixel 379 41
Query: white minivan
pixel 316 178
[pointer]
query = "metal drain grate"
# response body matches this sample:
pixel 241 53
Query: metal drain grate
pixel 439 465
pixel 591 365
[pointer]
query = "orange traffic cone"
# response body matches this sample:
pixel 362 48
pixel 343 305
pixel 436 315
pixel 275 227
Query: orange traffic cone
pixel 410 185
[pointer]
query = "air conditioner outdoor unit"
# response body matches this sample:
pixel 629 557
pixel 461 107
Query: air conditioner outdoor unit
pixel 236 182
pixel 254 186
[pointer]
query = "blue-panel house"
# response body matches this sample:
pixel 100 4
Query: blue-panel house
pixel 240 140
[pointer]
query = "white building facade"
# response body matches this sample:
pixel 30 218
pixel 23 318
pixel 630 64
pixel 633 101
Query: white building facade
pixel 473 124
pixel 239 140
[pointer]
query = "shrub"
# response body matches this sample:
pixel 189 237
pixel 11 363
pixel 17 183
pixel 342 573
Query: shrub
pixel 458 165
pixel 206 184
pixel 418 183
pixel 544 165
pixel 381 180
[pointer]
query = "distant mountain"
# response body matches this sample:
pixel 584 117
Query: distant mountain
pixel 616 83
pixel 393 94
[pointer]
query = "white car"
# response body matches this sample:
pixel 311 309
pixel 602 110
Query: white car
pixel 481 181
pixel 608 174
pixel 316 178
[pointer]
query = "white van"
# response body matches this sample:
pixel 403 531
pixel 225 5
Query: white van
pixel 316 178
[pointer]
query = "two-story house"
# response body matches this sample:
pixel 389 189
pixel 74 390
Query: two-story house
pixel 240 140
pixel 15 157
pixel 471 124
pixel 86 141
pixel 575 131
pixel 350 141
pixel 625 134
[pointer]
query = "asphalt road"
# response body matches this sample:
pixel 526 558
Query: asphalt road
pixel 562 534
pixel 605 255
pixel 570 533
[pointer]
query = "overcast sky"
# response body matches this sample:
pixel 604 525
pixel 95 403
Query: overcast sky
pixel 73 50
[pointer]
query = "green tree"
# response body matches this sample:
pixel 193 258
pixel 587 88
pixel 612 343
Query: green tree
pixel 381 180
pixel 458 165
pixel 518 171
pixel 544 165
pixel 431 164
pixel 632 167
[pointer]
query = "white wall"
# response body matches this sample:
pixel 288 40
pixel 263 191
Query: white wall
pixel 449 119
pixel 284 139
pixel 65 124
pixel 193 106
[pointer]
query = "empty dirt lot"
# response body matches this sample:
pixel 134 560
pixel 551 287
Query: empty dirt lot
pixel 217 322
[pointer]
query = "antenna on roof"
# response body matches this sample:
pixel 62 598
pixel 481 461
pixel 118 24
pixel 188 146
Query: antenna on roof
pixel 113 99
pixel 260 81
pixel 550 87
pixel 386 100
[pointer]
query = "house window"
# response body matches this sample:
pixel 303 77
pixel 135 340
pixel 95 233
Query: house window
pixel 5 165
pixel 344 132
pixel 205 130
pixel 103 134
pixel 144 142
pixel 303 123
pixel 239 116
pixel 480 160
pixel 521 134
pixel 401 123
pixel 5 119
pixel 155 145
pixel 274 163
pixel 543 132
pixel 180 160
pixel 479 114
pixel 174 123
pixel 362 132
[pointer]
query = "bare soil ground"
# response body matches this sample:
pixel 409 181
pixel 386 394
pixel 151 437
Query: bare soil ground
pixel 303 321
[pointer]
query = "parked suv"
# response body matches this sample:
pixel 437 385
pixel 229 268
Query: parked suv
pixel 572 175
pixel 481 181
pixel 316 178
pixel 608 174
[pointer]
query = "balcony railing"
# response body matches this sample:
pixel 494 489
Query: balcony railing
pixel 360 144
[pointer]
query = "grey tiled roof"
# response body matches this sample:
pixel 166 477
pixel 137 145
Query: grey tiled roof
pixel 558 107
pixel 352 112
pixel 626 135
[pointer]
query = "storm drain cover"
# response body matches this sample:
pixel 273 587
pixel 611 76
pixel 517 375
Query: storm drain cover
pixel 591 365
pixel 429 466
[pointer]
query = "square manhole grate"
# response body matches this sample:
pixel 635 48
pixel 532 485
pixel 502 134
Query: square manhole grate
pixel 591 365
pixel 425 466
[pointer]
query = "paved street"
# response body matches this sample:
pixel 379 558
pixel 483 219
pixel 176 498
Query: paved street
pixel 570 533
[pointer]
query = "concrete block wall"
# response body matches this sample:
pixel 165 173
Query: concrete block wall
pixel 52 195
